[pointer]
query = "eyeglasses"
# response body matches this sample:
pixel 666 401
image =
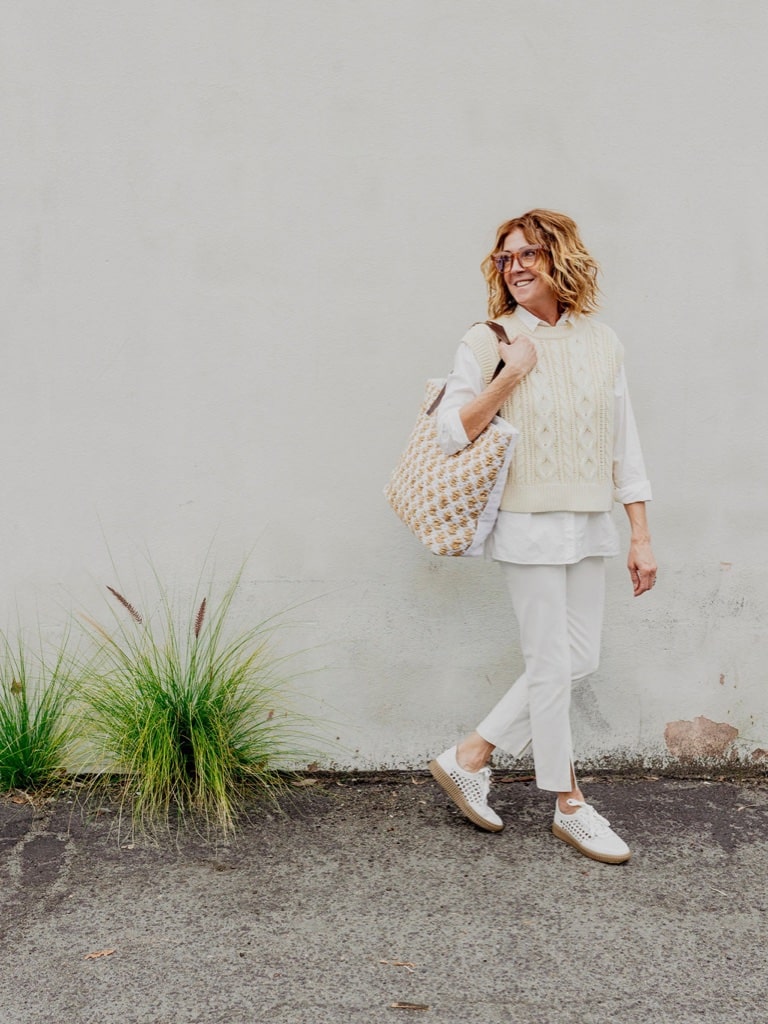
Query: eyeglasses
pixel 526 257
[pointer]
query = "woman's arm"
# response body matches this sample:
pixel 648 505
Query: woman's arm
pixel 641 563
pixel 466 395
pixel 630 480
pixel 519 357
pixel 632 489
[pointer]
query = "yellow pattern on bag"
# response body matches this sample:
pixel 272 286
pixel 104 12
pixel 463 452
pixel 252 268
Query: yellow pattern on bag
pixel 450 502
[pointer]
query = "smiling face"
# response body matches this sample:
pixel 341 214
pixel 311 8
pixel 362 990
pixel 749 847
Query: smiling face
pixel 527 286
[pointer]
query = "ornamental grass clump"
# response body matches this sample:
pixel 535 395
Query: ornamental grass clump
pixel 36 730
pixel 189 718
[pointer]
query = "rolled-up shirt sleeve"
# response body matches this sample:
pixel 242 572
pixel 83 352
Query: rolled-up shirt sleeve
pixel 464 383
pixel 630 480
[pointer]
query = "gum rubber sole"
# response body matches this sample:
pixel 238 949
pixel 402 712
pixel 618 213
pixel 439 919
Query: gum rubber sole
pixel 446 783
pixel 604 858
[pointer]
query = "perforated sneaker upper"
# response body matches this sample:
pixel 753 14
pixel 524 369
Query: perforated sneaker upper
pixel 590 830
pixel 472 788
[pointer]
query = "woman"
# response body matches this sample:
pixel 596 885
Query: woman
pixel 563 387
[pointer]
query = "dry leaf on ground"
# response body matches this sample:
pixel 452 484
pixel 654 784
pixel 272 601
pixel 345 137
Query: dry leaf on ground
pixel 99 953
pixel 399 963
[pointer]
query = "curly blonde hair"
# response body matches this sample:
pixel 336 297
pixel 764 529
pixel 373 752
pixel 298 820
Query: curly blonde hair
pixel 563 261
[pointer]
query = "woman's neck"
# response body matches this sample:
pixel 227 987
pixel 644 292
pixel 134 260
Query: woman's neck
pixel 549 312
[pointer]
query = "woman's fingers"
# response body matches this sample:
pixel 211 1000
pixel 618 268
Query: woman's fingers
pixel 642 579
pixel 642 568
pixel 519 352
pixel 645 581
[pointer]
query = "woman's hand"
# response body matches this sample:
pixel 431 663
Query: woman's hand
pixel 641 563
pixel 642 566
pixel 519 355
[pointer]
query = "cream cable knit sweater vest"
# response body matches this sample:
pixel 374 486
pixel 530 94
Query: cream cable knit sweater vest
pixel 564 412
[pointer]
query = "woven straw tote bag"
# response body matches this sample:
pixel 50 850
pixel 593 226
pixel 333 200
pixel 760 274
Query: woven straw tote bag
pixel 450 502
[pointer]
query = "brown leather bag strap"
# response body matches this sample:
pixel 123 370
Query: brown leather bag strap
pixel 437 401
pixel 501 334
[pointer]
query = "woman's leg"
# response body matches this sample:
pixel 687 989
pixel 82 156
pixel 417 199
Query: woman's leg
pixel 585 599
pixel 536 708
pixel 532 702
pixel 509 723
pixel 474 753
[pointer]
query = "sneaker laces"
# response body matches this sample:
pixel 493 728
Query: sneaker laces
pixel 485 781
pixel 479 783
pixel 593 822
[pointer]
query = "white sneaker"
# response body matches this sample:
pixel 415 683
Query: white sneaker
pixel 468 790
pixel 590 833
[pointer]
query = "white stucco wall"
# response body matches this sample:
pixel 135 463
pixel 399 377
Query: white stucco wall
pixel 237 237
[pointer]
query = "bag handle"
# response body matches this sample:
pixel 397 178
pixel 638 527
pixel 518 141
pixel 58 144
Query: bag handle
pixel 501 334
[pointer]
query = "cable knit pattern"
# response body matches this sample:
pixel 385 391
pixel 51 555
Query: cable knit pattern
pixel 564 411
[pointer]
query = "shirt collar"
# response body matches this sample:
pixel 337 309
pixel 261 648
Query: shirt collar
pixel 531 321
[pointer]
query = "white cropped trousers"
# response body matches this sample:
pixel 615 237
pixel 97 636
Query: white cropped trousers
pixel 559 610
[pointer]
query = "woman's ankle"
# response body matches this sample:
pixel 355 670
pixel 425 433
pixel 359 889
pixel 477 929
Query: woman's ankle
pixel 473 753
pixel 563 798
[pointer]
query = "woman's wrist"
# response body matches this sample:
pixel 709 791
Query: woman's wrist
pixel 510 376
pixel 638 522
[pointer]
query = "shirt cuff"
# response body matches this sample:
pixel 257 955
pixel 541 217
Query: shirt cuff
pixel 639 491
pixel 451 435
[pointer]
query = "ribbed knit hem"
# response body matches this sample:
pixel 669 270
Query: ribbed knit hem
pixel 558 498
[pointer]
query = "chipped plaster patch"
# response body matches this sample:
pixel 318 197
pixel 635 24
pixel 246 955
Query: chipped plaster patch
pixel 700 738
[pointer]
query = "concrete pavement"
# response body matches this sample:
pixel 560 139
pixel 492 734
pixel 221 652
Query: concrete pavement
pixel 365 894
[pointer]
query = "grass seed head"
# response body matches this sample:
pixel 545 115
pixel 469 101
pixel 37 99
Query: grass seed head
pixel 200 617
pixel 126 604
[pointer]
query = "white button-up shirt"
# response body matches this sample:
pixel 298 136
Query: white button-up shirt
pixel 549 538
